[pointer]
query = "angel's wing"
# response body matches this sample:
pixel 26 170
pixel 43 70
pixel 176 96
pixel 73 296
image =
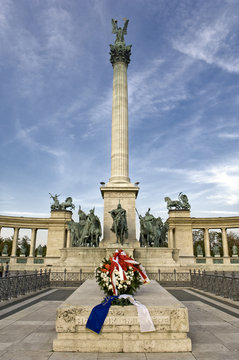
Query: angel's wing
pixel 114 26
pixel 125 27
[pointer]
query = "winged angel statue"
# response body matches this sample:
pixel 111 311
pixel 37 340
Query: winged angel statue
pixel 119 31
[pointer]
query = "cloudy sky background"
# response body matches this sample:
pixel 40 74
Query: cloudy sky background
pixel 56 96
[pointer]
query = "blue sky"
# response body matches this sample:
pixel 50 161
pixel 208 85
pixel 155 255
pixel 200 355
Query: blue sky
pixel 55 101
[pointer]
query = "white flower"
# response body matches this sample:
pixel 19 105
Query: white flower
pixel 110 287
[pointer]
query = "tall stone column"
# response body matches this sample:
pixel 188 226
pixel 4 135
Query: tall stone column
pixel 206 243
pixel 68 238
pixel 119 187
pixel 33 243
pixel 14 242
pixel 170 238
pixel 119 141
pixel 224 242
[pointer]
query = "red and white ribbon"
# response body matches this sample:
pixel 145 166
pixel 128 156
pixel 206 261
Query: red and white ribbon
pixel 121 262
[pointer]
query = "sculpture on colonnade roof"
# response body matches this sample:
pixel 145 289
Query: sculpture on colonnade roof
pixel 61 206
pixel 180 204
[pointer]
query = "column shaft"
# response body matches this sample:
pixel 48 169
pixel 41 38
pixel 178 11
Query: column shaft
pixel 224 242
pixel 68 239
pixel 33 243
pixel 170 237
pixel 14 242
pixel 119 145
pixel 206 243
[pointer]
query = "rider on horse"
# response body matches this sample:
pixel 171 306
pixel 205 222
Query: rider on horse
pixel 119 226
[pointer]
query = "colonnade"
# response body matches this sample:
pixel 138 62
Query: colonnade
pixel 33 240
pixel 15 241
pixel 207 242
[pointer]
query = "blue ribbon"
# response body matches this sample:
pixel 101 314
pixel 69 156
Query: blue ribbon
pixel 98 314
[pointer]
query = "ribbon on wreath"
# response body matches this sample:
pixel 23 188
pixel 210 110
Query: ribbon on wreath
pixel 121 261
pixel 99 313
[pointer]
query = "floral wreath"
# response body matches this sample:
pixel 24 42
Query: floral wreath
pixel 120 274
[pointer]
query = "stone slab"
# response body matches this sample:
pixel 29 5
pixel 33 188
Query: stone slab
pixel 121 330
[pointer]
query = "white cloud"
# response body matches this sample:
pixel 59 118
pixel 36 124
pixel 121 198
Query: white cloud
pixel 229 135
pixel 27 214
pixel 159 87
pixel 59 32
pixel 224 178
pixel 212 41
pixel 26 137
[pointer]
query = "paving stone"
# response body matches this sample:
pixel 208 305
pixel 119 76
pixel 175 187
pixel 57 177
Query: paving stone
pixel 228 337
pixel 26 355
pixel 121 356
pixel 215 355
pixel 202 347
pixel 170 356
pixel 73 356
pixel 203 337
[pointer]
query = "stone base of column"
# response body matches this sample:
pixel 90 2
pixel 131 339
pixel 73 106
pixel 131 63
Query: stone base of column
pixel 120 179
pixel 126 194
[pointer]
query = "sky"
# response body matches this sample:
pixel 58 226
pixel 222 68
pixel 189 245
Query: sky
pixel 56 103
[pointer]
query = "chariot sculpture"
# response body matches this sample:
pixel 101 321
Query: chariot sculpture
pixel 61 206
pixel 180 204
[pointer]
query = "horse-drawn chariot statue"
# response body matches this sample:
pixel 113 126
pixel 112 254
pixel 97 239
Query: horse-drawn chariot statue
pixel 180 204
pixel 61 206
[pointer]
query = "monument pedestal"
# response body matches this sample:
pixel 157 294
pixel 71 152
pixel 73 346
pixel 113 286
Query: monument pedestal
pixel 126 194
pixel 121 330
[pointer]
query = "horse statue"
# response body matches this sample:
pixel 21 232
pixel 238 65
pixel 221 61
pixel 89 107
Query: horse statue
pixel 150 230
pixel 67 204
pixel 119 226
pixel 180 204
pixel 92 231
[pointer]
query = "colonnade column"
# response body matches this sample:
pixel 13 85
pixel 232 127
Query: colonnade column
pixel 170 237
pixel 224 242
pixel 206 243
pixel 14 242
pixel 68 238
pixel 33 243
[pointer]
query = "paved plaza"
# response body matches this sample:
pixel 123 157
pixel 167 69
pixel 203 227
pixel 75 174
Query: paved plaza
pixel 27 329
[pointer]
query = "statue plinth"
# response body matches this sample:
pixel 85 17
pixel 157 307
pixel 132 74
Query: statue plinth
pixel 179 213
